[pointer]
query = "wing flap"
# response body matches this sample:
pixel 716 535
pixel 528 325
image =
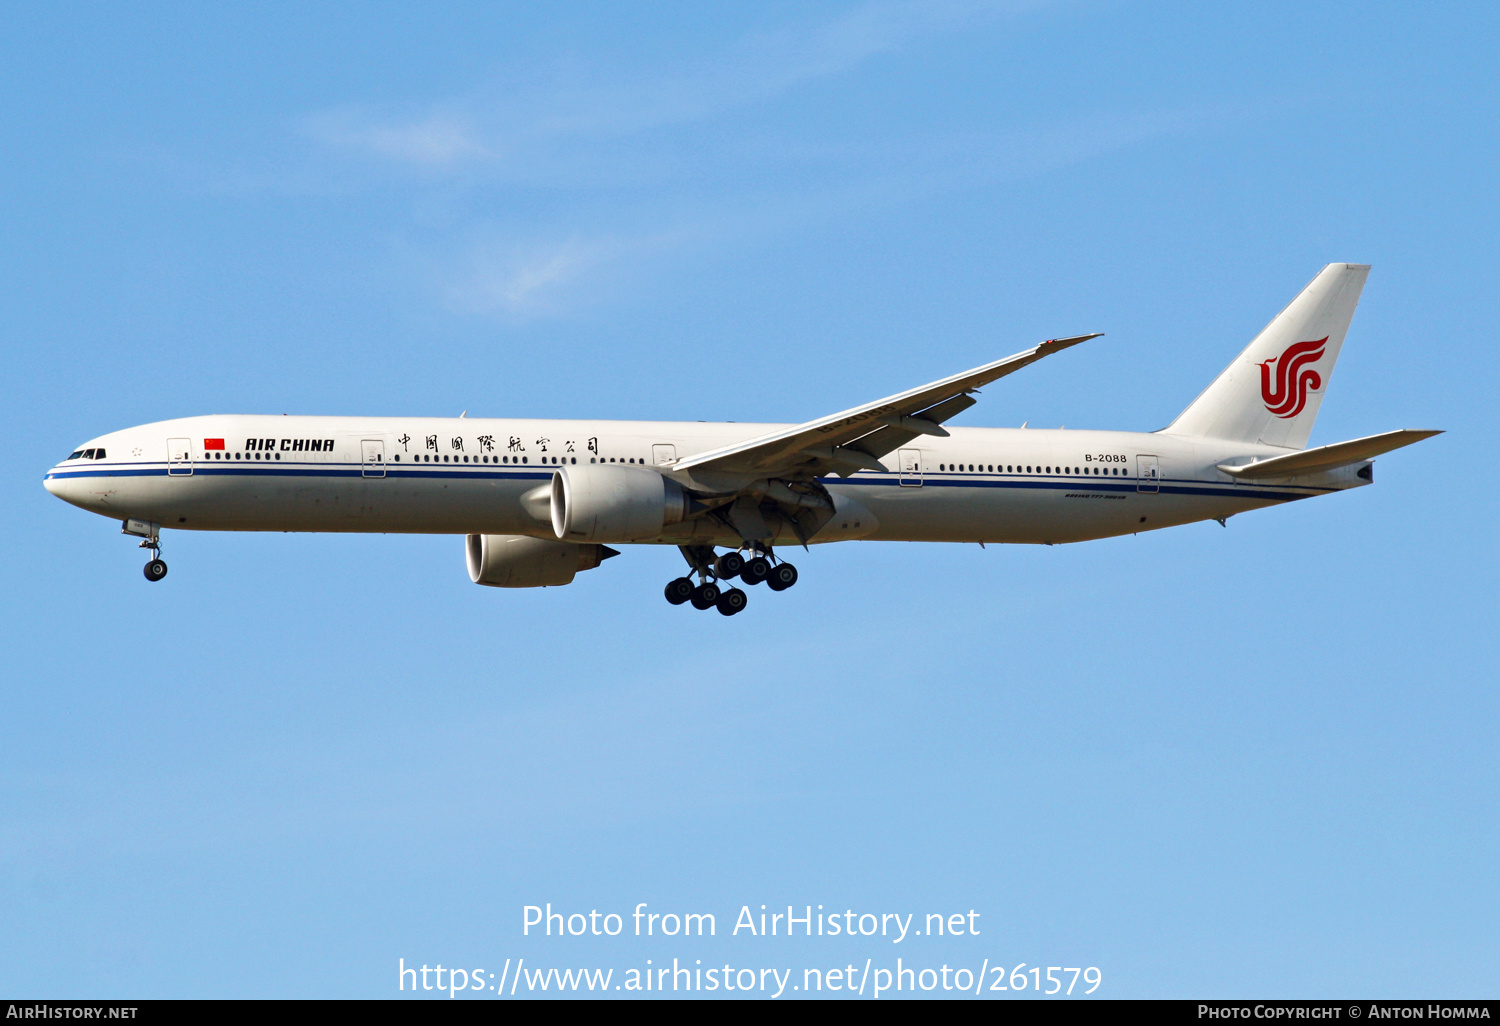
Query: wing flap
pixel 1327 457
pixel 897 433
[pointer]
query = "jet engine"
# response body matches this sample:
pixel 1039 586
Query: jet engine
pixel 605 502
pixel 516 561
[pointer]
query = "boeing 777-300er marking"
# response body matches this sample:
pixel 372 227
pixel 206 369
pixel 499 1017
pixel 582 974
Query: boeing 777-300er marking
pixel 540 500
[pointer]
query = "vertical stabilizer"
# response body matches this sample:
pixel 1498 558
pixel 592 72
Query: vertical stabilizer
pixel 1272 391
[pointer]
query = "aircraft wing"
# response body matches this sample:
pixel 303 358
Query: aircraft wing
pixel 854 440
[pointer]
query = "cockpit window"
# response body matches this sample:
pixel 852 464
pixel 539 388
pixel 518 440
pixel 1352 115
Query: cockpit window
pixel 77 454
pixel 98 454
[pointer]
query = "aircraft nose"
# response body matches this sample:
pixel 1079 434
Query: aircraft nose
pixel 65 488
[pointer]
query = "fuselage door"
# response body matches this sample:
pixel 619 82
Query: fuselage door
pixel 1148 474
pixel 911 468
pixel 179 456
pixel 372 462
pixel 661 454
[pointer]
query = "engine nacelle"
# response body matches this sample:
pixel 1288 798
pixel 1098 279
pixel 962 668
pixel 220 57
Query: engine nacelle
pixel 516 561
pixel 605 502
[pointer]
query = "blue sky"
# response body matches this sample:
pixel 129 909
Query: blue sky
pixel 1212 762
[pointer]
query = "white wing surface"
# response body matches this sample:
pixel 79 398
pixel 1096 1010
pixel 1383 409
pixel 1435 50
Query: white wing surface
pixel 855 439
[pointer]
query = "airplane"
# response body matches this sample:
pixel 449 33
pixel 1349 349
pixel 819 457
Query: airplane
pixel 538 501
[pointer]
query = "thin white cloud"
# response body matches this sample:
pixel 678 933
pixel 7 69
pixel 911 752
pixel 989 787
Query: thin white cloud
pixel 524 280
pixel 523 120
pixel 618 154
pixel 515 278
pixel 531 278
pixel 437 140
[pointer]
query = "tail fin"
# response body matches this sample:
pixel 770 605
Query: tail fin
pixel 1272 391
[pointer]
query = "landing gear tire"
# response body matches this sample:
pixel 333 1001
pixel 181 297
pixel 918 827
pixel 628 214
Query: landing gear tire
pixel 732 601
pixel 728 566
pixel 705 596
pixel 155 570
pixel 782 577
pixel 756 570
pixel 679 591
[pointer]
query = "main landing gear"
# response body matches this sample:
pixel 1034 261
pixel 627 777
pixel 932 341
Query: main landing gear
pixel 712 570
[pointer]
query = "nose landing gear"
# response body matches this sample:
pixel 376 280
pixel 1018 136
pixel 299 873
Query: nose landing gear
pixel 713 571
pixel 151 533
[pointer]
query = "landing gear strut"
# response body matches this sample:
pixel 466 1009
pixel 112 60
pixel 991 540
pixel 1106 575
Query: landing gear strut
pixel 712 571
pixel 151 534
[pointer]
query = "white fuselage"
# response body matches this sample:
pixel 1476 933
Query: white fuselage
pixel 473 476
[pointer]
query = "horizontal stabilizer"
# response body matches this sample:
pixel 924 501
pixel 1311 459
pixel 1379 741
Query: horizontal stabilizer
pixel 1327 457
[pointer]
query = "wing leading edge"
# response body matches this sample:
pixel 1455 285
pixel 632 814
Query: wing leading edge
pixel 855 439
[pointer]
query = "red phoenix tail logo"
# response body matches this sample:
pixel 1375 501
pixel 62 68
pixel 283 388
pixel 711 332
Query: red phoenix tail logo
pixel 1286 394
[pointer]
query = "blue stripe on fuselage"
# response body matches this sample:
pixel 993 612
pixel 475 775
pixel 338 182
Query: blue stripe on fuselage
pixel 1167 486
